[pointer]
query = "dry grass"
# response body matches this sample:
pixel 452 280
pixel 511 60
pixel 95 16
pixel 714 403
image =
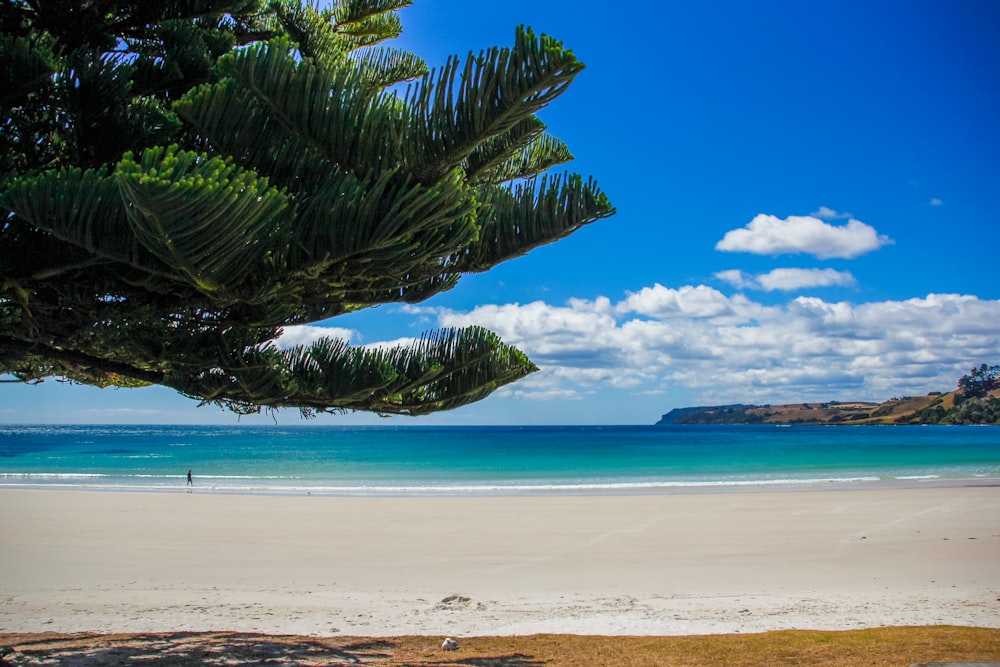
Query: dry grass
pixel 887 647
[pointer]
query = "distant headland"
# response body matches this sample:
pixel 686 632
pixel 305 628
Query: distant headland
pixel 976 401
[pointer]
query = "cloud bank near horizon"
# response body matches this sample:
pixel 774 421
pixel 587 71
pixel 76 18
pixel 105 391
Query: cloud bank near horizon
pixel 787 280
pixel 307 334
pixel 732 349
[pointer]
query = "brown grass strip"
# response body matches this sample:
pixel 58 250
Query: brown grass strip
pixel 879 647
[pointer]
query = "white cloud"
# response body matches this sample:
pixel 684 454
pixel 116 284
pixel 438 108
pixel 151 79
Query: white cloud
pixel 573 335
pixel 542 395
pixel 828 213
pixel 787 280
pixel 936 202
pixel 770 235
pixel 390 344
pixel 731 349
pixel 737 278
pixel 697 302
pixel 307 334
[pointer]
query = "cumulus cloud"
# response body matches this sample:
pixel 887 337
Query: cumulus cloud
pixel 307 335
pixel 936 202
pixel 729 348
pixel 771 235
pixel 787 280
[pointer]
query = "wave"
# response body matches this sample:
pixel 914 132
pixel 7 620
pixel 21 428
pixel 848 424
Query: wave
pixel 70 475
pixel 251 485
pixel 55 475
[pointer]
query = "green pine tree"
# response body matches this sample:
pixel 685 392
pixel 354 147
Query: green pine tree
pixel 179 180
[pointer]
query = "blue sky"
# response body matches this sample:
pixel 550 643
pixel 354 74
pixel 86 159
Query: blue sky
pixel 807 199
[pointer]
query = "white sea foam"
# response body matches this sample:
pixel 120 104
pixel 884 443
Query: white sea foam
pixel 230 484
pixel 571 488
pixel 52 475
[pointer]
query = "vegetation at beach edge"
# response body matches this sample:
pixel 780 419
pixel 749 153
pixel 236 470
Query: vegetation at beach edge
pixel 875 647
pixel 180 180
pixel 975 401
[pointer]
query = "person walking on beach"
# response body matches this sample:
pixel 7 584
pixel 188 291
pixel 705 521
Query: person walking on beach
pixel 190 479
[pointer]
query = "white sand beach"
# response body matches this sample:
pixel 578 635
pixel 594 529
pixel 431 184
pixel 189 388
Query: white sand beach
pixel 615 565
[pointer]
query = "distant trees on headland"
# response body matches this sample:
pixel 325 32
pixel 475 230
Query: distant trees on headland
pixel 975 402
pixel 980 381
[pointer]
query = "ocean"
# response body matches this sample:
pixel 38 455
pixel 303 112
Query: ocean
pixel 427 461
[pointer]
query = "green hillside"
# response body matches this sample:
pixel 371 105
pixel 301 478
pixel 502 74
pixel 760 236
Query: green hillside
pixel 977 401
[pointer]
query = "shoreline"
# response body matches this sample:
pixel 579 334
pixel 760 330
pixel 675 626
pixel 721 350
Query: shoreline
pixel 614 564
pixel 810 485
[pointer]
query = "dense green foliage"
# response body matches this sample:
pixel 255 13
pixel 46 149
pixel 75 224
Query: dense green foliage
pixel 179 180
pixel 973 411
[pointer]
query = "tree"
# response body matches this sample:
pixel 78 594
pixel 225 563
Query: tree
pixel 180 180
pixel 980 381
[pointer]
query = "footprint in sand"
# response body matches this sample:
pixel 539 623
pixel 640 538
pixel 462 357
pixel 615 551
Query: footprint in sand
pixel 458 603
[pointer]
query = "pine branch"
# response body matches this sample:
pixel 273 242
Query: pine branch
pixel 208 220
pixel 496 90
pixel 297 186
pixel 542 153
pixel 443 370
pixel 518 219
pixel 72 359
pixel 26 68
pixel 347 12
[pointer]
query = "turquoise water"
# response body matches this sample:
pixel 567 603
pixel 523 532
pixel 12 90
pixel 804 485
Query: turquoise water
pixel 414 460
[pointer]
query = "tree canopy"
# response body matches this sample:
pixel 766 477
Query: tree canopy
pixel 980 381
pixel 179 180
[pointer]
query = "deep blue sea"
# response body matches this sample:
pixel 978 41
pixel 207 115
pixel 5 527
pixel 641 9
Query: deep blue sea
pixel 416 460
